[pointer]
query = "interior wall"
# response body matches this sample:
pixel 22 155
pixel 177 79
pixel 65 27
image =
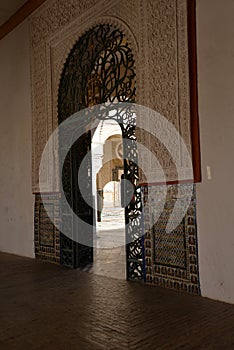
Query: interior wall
pixel 215 33
pixel 16 200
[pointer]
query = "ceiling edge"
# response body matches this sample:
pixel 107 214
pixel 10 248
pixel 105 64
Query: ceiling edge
pixel 19 16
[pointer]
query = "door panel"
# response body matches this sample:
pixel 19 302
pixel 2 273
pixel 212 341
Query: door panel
pixel 99 69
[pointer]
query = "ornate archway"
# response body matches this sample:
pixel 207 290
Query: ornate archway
pixel 99 69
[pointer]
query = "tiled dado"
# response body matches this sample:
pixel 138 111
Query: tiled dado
pixel 46 235
pixel 171 259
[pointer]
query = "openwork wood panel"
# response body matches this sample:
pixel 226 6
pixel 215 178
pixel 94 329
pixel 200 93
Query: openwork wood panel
pixel 100 69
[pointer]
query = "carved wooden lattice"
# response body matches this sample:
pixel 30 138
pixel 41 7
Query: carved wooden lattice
pixel 100 69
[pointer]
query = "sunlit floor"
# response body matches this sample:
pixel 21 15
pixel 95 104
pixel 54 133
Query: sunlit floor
pixel 109 253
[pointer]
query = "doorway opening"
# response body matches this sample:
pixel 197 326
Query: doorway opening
pixel 109 257
pixel 100 69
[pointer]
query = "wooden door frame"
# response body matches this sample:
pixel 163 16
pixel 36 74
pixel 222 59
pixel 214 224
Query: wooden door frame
pixel 194 117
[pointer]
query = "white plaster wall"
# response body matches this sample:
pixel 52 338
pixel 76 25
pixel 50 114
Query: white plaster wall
pixel 215 29
pixel 16 200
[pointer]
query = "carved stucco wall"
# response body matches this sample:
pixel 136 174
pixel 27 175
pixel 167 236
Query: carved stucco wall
pixel 157 34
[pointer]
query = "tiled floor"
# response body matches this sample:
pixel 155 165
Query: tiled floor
pixel 48 307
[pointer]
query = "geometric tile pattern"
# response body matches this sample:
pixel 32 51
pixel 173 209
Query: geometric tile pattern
pixel 169 248
pixel 46 235
pixel 171 258
pixel 46 227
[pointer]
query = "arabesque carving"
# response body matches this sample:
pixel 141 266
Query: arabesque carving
pixel 157 33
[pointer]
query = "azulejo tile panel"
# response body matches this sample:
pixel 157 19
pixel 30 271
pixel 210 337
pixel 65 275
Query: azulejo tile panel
pixel 46 227
pixel 47 235
pixel 171 258
pixel 169 248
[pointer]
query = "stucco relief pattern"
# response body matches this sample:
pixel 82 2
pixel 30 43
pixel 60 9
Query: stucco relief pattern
pixel 168 66
pixel 183 73
pixel 162 43
pixel 157 33
pixel 155 29
pixel 56 14
pixel 50 18
pixel 52 42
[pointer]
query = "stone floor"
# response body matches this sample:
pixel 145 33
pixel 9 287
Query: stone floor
pixel 45 306
pixel 109 253
pixel 109 263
